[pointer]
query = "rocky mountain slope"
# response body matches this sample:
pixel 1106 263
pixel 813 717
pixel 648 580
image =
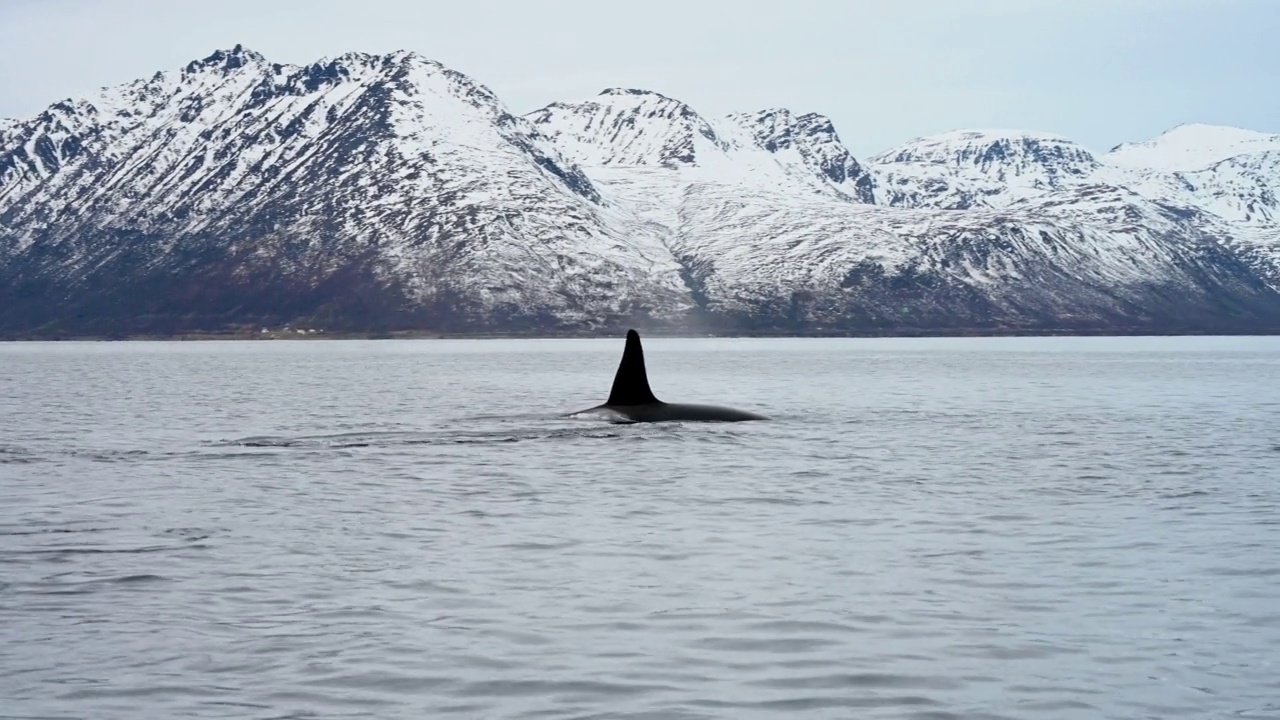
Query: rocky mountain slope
pixel 389 192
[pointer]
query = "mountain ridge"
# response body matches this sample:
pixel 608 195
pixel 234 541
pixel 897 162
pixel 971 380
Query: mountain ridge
pixel 391 193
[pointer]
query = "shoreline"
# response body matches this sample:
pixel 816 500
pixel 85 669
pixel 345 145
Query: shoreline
pixel 293 336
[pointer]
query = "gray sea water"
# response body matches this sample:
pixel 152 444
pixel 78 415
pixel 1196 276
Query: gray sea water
pixel 930 528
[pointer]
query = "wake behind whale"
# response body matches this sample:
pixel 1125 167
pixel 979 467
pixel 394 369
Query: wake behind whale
pixel 631 400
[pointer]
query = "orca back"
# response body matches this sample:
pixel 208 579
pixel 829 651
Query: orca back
pixel 631 382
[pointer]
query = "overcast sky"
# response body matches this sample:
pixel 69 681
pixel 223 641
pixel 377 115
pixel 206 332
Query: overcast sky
pixel 886 71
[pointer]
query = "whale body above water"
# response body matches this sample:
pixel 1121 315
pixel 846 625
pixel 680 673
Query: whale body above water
pixel 631 400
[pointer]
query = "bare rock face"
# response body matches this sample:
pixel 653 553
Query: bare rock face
pixel 389 192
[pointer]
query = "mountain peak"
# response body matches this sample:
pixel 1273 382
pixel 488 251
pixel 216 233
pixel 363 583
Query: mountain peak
pixel 968 168
pixel 627 126
pixel 805 144
pixel 226 60
pixel 1209 131
pixel 783 123
pixel 397 58
pixel 643 101
pixel 984 147
pixel 1192 146
pixel 620 91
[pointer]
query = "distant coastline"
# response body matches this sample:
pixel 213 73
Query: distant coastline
pixel 317 336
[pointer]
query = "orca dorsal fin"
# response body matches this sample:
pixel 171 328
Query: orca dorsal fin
pixel 631 383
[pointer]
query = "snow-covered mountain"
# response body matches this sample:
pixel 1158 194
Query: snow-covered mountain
pixel 1232 197
pixel 378 192
pixel 362 189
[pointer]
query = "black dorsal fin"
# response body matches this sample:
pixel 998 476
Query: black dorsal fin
pixel 631 383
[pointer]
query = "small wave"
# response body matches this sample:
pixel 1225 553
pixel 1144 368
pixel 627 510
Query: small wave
pixel 574 688
pixel 53 531
pixel 146 577
pixel 107 455
pixel 410 438
pixel 765 645
pixel 90 586
pixel 860 680
pixel 767 500
pixel 11 455
pixel 1187 494
pixel 798 704
pixel 604 414
pixel 793 626
pixel 187 534
pixel 539 546
pixel 66 552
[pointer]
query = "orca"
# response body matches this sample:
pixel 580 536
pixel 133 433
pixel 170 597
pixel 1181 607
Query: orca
pixel 631 400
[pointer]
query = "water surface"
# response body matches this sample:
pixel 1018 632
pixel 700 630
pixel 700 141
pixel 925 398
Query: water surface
pixel 1013 528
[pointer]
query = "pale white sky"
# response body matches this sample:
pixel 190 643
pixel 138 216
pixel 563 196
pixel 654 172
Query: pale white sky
pixel 885 71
